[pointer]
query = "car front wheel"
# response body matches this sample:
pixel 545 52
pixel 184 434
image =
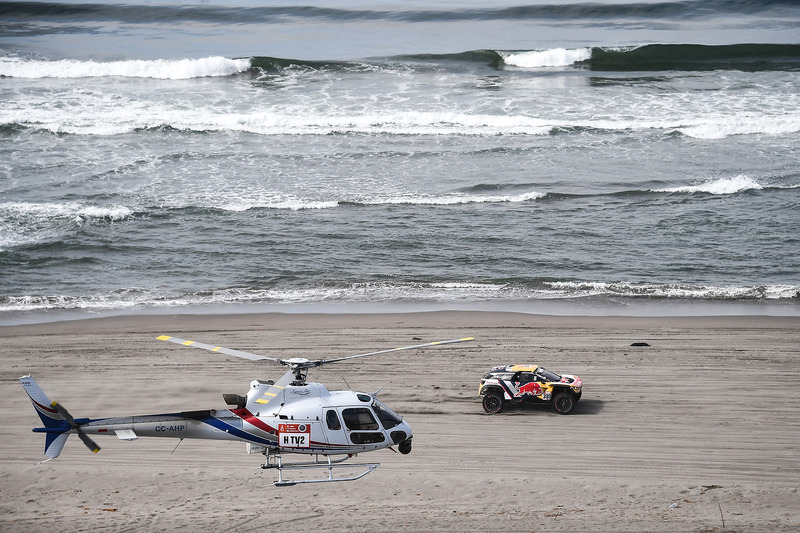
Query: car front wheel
pixel 493 403
pixel 564 402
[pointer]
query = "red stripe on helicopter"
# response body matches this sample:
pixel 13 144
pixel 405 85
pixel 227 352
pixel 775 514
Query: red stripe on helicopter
pixel 41 407
pixel 253 420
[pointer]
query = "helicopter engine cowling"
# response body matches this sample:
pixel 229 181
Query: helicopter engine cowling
pixel 235 399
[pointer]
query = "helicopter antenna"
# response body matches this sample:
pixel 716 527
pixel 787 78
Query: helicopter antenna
pixel 176 446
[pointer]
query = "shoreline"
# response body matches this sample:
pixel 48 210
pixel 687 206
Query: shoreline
pixel 142 322
pixel 583 307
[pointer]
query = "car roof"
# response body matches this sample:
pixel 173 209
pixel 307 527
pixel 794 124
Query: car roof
pixel 524 368
pixel 527 367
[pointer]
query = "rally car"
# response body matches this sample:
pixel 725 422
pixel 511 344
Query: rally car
pixel 528 383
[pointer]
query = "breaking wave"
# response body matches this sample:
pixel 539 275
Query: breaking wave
pixel 684 57
pixel 719 186
pixel 165 69
pixel 74 211
pixel 650 57
pixel 387 293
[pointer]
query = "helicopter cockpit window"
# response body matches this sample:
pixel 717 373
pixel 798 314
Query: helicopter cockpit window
pixel 332 420
pixel 388 418
pixel 359 419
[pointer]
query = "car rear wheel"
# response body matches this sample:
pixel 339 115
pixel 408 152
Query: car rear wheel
pixel 564 402
pixel 493 403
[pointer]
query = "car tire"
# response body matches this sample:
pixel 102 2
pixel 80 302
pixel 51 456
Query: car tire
pixel 493 403
pixel 564 402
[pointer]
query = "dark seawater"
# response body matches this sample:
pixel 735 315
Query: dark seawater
pixel 556 157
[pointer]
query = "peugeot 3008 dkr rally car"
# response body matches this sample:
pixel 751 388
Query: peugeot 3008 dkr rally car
pixel 528 383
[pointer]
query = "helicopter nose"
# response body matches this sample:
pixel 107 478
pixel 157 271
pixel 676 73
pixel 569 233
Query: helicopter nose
pixel 402 436
pixel 401 432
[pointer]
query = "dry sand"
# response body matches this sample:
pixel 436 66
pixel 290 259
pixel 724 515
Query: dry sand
pixel 699 429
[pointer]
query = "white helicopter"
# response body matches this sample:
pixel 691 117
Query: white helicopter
pixel 287 416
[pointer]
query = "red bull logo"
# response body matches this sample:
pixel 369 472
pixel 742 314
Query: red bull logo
pixel 533 389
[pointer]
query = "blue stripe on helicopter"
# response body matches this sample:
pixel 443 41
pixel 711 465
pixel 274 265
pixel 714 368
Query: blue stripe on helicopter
pixel 228 428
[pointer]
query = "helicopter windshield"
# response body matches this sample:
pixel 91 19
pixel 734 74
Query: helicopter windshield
pixel 388 418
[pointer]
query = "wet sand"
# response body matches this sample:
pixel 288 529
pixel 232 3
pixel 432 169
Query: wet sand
pixel 699 431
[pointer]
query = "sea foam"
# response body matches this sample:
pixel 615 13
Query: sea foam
pixel 556 57
pixel 456 199
pixel 179 69
pixel 727 126
pixel 719 186
pixel 41 211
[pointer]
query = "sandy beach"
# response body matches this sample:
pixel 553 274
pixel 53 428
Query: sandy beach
pixel 698 431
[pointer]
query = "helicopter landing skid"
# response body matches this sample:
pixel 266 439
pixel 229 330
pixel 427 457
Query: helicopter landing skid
pixel 328 464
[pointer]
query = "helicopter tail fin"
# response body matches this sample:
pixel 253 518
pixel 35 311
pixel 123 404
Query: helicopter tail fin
pixel 56 429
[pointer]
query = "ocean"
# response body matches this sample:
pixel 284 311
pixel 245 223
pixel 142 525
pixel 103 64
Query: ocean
pixel 561 157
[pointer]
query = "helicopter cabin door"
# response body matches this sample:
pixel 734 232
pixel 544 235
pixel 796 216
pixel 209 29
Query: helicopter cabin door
pixel 334 429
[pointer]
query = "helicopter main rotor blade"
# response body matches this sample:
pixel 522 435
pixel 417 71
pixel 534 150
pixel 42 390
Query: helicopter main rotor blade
pixel 218 349
pixel 61 410
pixel 298 364
pixel 435 343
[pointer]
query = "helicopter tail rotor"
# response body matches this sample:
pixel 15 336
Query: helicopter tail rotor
pixel 61 410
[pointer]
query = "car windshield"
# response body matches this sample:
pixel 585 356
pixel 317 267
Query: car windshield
pixel 549 376
pixel 388 418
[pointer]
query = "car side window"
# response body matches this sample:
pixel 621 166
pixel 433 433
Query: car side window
pixel 332 420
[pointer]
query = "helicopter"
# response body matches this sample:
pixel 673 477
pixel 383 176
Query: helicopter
pixel 287 416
